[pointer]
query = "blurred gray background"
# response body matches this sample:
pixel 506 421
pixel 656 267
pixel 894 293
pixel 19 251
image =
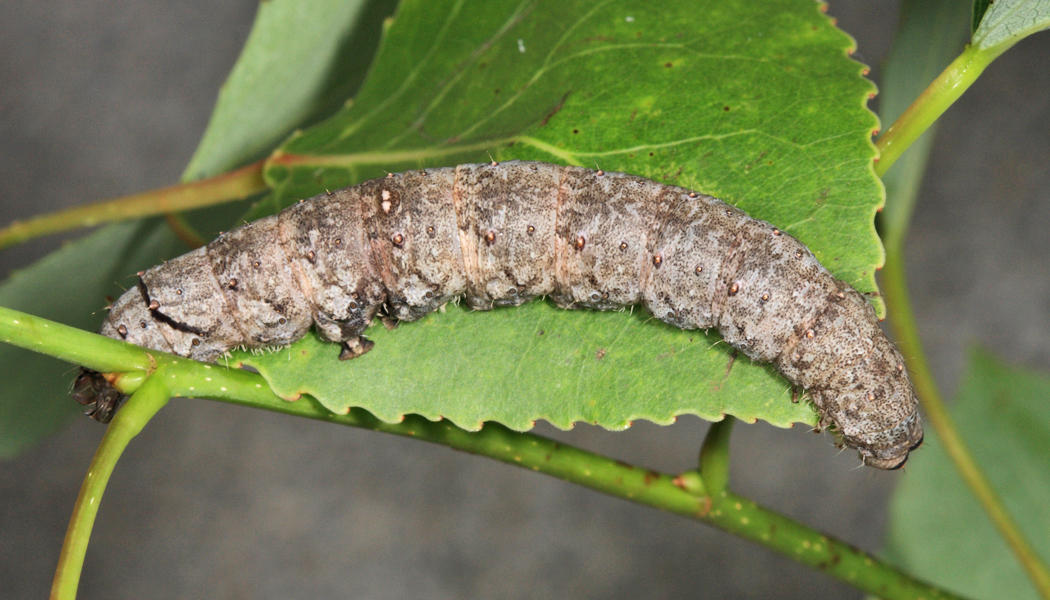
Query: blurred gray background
pixel 99 99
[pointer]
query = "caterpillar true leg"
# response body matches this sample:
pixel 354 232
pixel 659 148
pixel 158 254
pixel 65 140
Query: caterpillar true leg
pixel 356 346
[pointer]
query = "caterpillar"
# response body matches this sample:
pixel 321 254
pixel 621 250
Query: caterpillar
pixel 501 234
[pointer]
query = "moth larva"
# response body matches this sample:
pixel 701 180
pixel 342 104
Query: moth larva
pixel 502 234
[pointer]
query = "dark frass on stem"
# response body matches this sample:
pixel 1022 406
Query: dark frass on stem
pixel 502 234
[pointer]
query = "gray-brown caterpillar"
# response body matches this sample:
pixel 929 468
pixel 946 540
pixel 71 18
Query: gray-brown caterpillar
pixel 502 234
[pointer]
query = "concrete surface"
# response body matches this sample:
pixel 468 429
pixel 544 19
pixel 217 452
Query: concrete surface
pixel 99 99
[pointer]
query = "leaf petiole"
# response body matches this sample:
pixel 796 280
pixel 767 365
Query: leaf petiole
pixel 239 183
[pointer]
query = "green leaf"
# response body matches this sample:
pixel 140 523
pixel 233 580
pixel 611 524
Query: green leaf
pixel 300 63
pixel 757 104
pixel 1003 414
pixel 1007 22
pixel 568 366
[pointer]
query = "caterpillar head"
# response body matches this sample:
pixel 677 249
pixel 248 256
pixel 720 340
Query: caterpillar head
pixel 889 450
pixel 881 420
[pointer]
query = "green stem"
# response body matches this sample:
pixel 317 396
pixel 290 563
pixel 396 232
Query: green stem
pixel 70 344
pixel 894 222
pixel 240 183
pixel 128 422
pixel 684 495
pixel 714 456
pixel 184 231
pixel 948 86
pixel 905 330
pixel 931 104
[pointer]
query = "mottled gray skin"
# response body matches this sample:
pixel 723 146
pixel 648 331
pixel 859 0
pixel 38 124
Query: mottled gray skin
pixel 502 234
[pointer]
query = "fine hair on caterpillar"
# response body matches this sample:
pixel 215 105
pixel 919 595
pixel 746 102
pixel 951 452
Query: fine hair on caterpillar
pixel 500 234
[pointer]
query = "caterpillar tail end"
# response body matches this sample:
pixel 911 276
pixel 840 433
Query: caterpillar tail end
pixel 98 396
